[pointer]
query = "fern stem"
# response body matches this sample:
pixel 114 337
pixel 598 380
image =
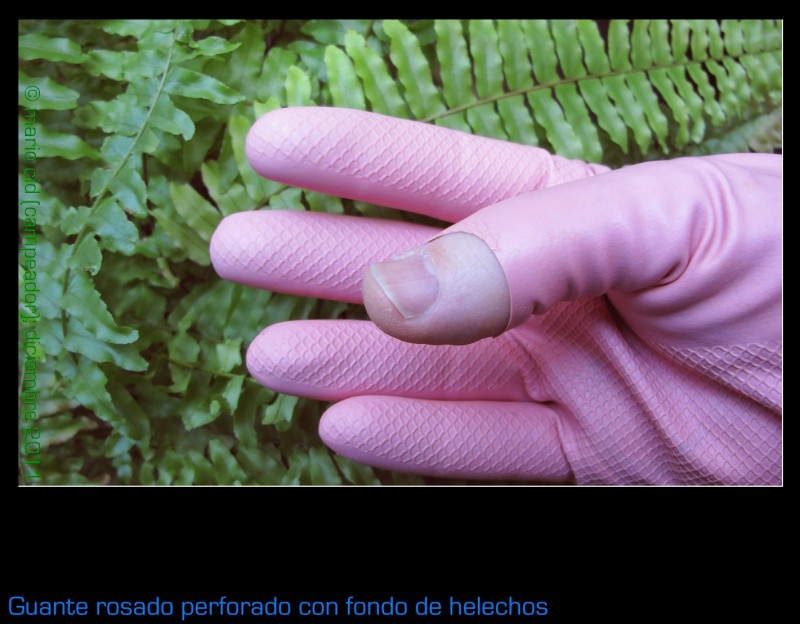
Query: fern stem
pixel 132 148
pixel 566 81
pixel 101 195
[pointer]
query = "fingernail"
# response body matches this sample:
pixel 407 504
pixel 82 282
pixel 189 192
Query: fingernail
pixel 408 283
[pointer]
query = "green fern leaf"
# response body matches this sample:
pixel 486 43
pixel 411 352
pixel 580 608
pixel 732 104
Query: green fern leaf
pixel 585 95
pixel 234 199
pixel 188 83
pixel 546 108
pixel 141 129
pixel 82 340
pixel 49 95
pixel 257 187
pixel 298 87
pixel 488 72
pixel 272 81
pixel 519 123
pixel 83 302
pixel 380 90
pixel 227 469
pixel 413 70
pixel 711 105
pixel 241 73
pixel 343 81
pixel 451 50
pixel 110 223
pixel 86 256
pixel 195 210
pixel 34 47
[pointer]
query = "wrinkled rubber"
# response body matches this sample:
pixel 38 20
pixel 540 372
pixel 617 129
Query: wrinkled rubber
pixel 654 354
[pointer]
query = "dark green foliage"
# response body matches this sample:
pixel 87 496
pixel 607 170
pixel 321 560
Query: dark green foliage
pixel 141 127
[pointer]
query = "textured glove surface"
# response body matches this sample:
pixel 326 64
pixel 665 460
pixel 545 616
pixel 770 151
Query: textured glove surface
pixel 644 339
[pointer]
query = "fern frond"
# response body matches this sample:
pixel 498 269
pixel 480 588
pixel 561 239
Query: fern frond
pixel 641 90
pixel 140 130
pixel 379 88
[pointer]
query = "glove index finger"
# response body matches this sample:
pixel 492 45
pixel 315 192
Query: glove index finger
pixel 400 163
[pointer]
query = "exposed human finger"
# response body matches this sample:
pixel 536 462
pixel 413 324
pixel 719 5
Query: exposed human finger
pixel 462 439
pixel 450 291
pixel 332 360
pixel 665 240
pixel 400 163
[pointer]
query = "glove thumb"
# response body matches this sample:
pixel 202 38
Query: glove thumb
pixel 659 238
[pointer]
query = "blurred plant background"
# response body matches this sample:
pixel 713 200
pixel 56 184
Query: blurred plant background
pixel 141 129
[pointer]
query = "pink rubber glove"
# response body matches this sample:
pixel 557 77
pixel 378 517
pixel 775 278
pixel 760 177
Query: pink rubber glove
pixel 628 323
